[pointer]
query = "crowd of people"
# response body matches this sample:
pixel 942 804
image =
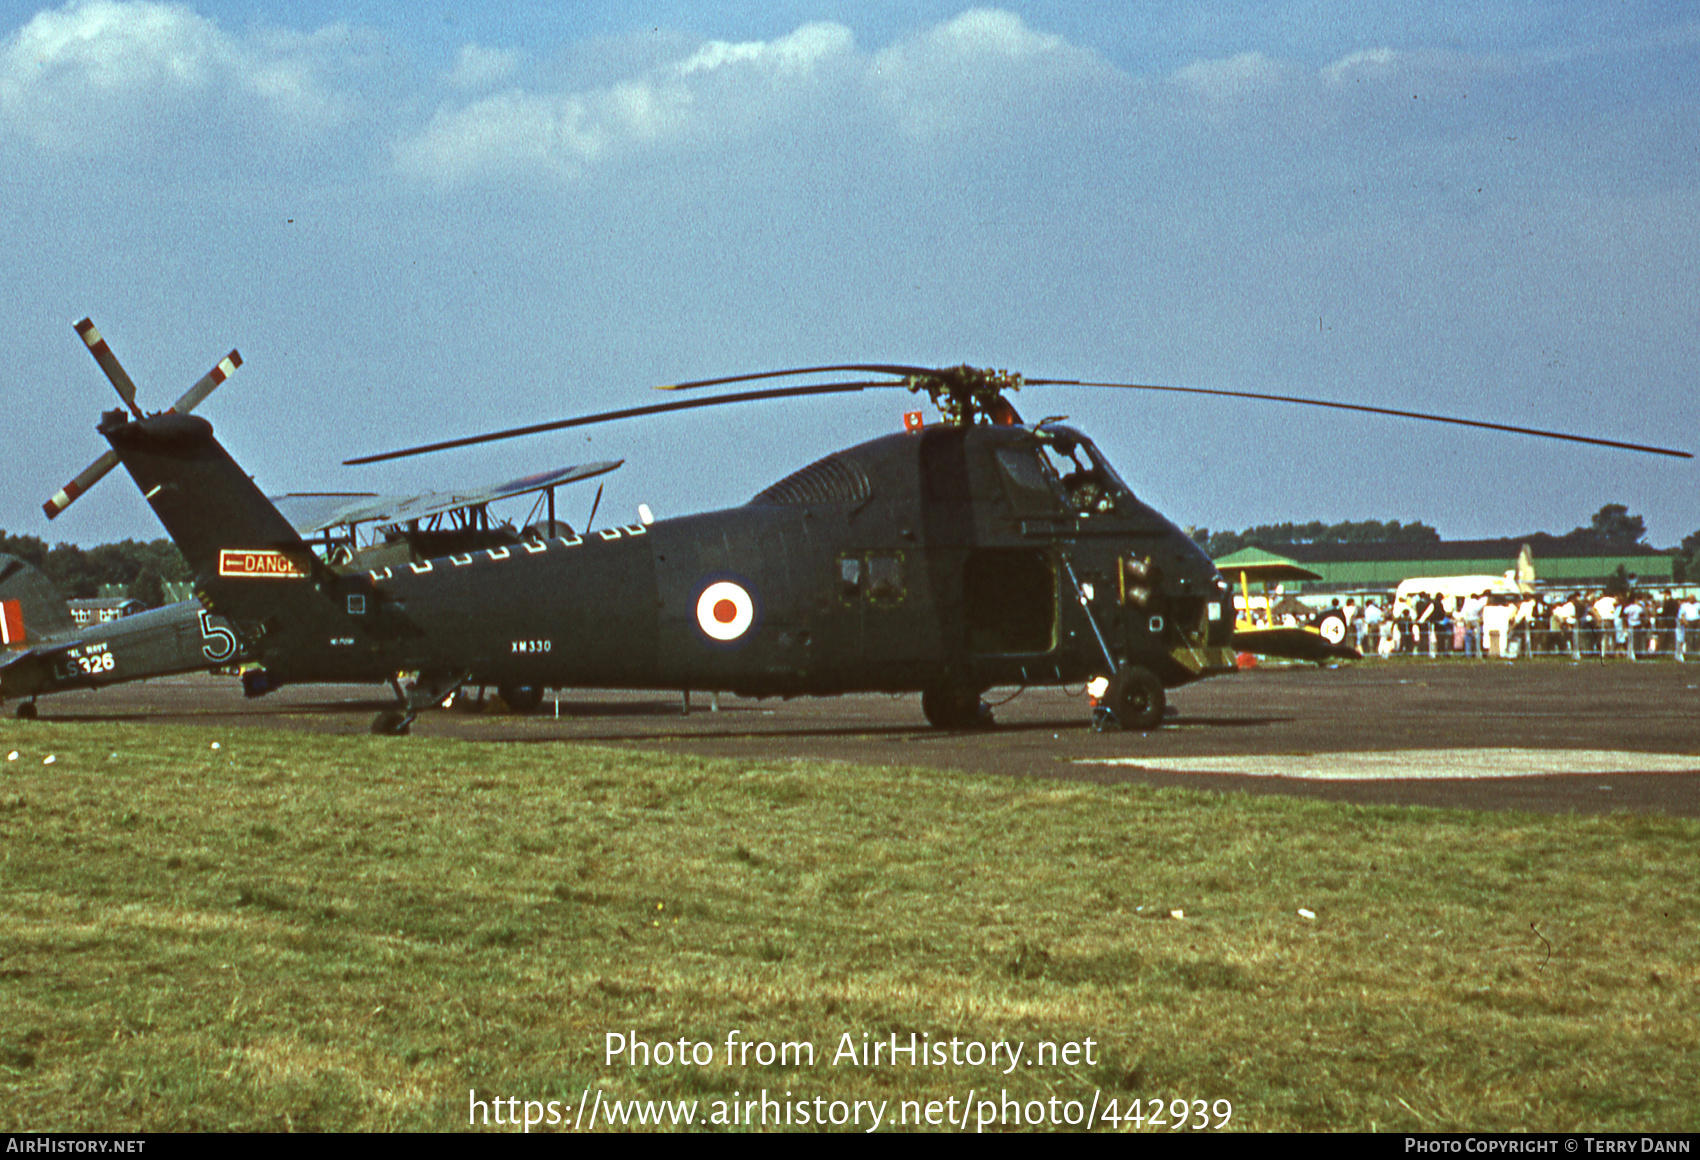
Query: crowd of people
pixel 1631 625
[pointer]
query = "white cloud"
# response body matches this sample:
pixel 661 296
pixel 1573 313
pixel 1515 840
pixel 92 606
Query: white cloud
pixel 965 72
pixel 1235 77
pixel 71 73
pixel 793 55
pixel 478 68
pixel 978 65
pixel 988 32
pixel 99 72
pixel 531 133
pixel 721 89
pixel 1369 64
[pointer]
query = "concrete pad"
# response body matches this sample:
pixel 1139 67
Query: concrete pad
pixel 1421 764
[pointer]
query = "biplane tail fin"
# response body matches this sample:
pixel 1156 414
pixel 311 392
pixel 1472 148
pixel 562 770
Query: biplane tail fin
pixel 31 607
pixel 247 559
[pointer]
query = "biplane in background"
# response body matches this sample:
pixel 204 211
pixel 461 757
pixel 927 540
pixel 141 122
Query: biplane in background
pixel 1257 627
pixel 403 532
pixel 48 652
pixel 415 528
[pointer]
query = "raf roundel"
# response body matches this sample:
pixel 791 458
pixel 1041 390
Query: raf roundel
pixel 725 611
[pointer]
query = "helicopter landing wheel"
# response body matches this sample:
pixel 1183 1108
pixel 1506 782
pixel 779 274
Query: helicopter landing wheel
pixel 392 723
pixel 1136 699
pixel 522 699
pixel 955 709
pixel 26 711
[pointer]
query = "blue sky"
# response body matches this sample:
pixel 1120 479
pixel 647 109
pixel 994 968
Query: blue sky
pixel 416 226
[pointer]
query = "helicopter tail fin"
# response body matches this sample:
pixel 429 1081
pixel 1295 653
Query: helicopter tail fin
pixel 248 561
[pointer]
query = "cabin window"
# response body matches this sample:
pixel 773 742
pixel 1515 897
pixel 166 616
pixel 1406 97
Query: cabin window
pixel 885 577
pixel 849 577
pixel 876 577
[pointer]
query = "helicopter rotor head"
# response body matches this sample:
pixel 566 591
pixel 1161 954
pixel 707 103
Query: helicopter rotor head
pixel 963 392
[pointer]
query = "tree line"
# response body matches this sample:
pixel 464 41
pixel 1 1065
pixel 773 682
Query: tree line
pixel 79 572
pixel 1614 523
pixel 144 568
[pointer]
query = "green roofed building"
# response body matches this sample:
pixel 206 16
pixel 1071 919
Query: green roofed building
pixel 1560 561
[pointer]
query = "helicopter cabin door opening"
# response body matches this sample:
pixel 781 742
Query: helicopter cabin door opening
pixel 1010 601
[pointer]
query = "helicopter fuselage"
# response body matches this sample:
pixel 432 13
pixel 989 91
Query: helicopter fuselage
pixel 947 561
pixel 955 557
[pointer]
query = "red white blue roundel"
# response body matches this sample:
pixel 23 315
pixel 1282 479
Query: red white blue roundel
pixel 725 611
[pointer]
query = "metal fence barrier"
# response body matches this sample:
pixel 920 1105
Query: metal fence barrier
pixel 1660 640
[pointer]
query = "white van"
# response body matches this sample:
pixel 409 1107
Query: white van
pixel 1457 587
pixel 1495 642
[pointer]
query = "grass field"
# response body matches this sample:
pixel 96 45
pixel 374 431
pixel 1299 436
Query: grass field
pixel 253 930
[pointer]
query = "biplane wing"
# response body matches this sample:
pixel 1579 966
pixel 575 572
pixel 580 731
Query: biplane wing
pixel 1271 573
pixel 314 512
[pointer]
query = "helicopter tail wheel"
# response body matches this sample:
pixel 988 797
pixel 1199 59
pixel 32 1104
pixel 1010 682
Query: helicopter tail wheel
pixel 1136 698
pixel 25 711
pixel 955 709
pixel 522 699
pixel 258 682
pixel 1332 625
pixel 392 723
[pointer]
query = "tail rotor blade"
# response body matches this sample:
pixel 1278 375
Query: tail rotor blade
pixel 208 383
pixel 126 389
pixel 90 476
pixel 109 363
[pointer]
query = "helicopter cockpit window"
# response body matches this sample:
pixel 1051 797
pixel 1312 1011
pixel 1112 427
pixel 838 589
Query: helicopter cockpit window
pixel 1032 493
pixel 1092 487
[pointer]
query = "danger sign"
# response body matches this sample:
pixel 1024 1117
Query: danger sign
pixel 260 563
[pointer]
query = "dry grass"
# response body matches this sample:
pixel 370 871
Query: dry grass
pixel 299 932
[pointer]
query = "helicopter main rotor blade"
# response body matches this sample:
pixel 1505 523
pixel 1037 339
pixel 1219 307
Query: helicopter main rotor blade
pixel 626 413
pixel 857 368
pixel 915 378
pixel 1366 409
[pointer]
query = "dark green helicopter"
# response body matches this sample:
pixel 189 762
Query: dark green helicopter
pixel 954 557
